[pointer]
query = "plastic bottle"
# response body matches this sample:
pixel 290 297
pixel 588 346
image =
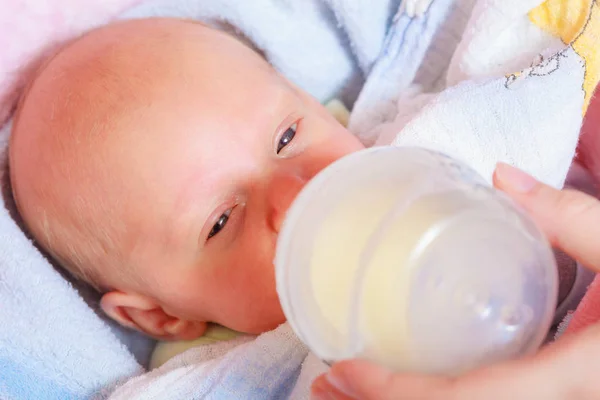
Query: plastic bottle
pixel 408 258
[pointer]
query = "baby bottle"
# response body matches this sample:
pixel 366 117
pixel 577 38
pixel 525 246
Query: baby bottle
pixel 408 258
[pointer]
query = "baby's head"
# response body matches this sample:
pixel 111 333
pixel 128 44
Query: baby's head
pixel 156 160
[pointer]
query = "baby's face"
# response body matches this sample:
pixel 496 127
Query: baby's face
pixel 208 157
pixel 223 159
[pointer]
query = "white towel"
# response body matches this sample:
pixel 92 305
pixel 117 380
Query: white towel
pixel 426 85
pixel 511 91
pixel 276 365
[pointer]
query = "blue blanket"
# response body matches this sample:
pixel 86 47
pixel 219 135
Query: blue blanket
pixel 411 79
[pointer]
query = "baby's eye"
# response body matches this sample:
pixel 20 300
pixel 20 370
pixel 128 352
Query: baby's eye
pixel 287 137
pixel 220 224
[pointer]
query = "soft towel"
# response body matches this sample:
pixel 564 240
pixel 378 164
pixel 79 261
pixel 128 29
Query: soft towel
pixel 523 106
pixel 512 122
pixel 276 365
pixel 426 84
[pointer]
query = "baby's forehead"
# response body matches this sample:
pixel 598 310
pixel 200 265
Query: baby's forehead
pixel 128 90
pixel 114 109
pixel 102 77
pixel 144 52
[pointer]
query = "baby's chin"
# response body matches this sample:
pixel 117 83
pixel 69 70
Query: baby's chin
pixel 256 326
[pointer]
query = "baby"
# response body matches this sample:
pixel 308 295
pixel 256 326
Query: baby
pixel 155 159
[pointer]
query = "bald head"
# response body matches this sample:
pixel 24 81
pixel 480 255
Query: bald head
pixel 90 124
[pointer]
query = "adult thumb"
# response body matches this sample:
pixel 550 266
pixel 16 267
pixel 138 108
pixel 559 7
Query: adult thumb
pixel 570 219
pixel 359 379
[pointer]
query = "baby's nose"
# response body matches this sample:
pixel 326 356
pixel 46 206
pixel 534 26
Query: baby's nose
pixel 282 192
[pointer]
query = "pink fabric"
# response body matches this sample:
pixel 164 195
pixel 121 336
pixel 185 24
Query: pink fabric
pixel 588 311
pixel 30 28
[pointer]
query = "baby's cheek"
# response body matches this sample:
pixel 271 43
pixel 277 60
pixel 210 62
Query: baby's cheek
pixel 246 280
pixel 250 269
pixel 252 302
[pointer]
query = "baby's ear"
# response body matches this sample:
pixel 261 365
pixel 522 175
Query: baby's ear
pixel 147 316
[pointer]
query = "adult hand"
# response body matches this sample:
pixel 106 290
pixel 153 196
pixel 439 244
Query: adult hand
pixel 565 370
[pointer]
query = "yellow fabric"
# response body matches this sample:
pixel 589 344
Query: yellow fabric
pixel 164 351
pixel 339 111
pixel 576 23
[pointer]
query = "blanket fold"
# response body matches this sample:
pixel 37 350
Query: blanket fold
pixel 484 81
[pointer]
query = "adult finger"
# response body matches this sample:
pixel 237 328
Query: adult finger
pixel 570 219
pixel 358 379
pixel 566 370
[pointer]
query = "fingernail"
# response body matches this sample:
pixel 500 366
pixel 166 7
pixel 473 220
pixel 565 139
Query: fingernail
pixel 341 384
pixel 514 178
pixel 322 390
